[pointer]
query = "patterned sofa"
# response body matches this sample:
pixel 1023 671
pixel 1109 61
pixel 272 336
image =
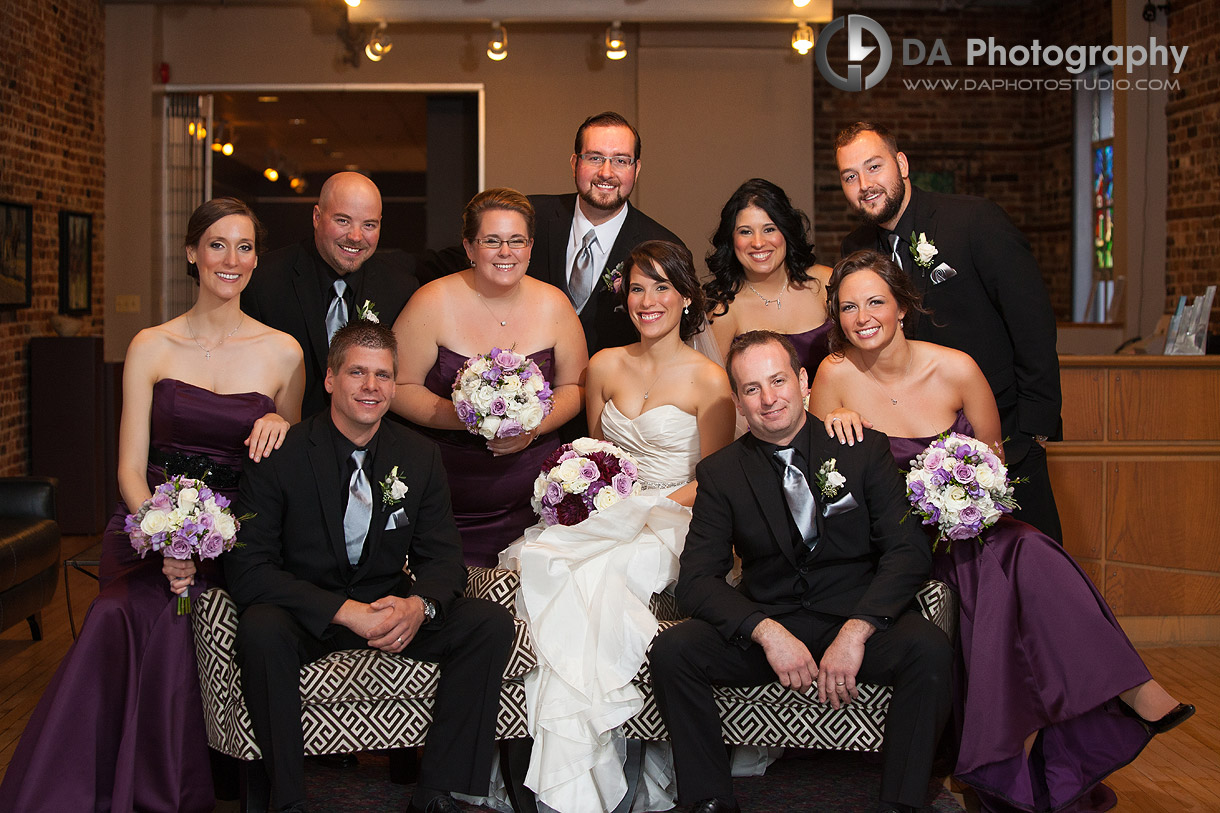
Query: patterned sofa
pixel 365 700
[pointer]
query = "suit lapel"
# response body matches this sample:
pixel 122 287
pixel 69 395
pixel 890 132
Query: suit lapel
pixel 561 230
pixel 760 474
pixel 814 453
pixel 309 295
pixel 328 475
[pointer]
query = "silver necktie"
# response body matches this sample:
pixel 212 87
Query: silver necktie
pixel 359 509
pixel 580 283
pixel 799 497
pixel 336 314
pixel 895 255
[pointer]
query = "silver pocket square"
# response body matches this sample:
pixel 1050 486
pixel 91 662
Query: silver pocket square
pixel 942 272
pixel 840 506
pixel 397 520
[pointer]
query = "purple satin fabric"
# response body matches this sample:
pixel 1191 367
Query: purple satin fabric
pixel 1039 650
pixel 120 726
pixel 491 495
pixel 811 347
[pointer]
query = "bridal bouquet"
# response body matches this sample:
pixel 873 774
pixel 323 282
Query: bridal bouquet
pixel 183 518
pixel 581 478
pixel 501 394
pixel 960 486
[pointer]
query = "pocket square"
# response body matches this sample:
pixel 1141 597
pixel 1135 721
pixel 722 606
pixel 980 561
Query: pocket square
pixel 942 272
pixel 840 506
pixel 397 520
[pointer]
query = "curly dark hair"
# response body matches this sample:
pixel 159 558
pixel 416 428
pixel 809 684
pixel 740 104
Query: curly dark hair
pixel 728 276
pixel 890 272
pixel 678 267
pixel 211 211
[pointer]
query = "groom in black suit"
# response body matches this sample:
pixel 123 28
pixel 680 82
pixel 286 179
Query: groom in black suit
pixel 338 510
pixel 827 593
pixel 979 279
pixel 294 288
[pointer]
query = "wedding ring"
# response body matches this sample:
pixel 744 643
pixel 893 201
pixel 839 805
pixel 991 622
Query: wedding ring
pixel 837 684
pixel 400 639
pixel 836 419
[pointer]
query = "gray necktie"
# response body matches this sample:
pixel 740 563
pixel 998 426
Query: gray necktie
pixel 580 283
pixel 359 509
pixel 799 497
pixel 336 314
pixel 895 254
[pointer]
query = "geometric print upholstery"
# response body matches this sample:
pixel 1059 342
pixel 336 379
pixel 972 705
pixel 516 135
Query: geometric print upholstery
pixel 356 700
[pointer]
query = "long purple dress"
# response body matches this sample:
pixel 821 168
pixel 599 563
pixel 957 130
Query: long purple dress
pixel 1040 651
pixel 812 346
pixel 491 495
pixel 120 726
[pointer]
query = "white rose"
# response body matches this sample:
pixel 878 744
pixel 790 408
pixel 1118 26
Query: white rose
pixel 605 498
pixel 585 445
pixel 569 473
pixel 490 424
pixel 835 480
pixel 398 490
pixel 956 498
pixel 925 250
pixel 540 488
pixel 187 498
pixel 511 385
pixel 530 416
pixel 534 384
pixel 177 517
pixel 990 514
pixel 155 522
pixel 482 398
pixel 985 477
pixel 226 526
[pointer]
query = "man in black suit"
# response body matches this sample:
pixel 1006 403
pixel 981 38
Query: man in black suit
pixel 295 288
pixel 338 510
pixel 979 279
pixel 605 165
pixel 827 592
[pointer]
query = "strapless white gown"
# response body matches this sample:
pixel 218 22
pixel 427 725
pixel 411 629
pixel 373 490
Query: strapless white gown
pixel 584 595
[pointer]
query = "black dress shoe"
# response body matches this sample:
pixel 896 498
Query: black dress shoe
pixel 1180 714
pixel 439 804
pixel 715 805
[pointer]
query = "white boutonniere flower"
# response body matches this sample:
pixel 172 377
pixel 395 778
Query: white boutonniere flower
pixel 366 313
pixel 923 250
pixel 828 479
pixel 393 489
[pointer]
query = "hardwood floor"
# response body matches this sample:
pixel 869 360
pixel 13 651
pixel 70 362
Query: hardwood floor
pixel 1176 772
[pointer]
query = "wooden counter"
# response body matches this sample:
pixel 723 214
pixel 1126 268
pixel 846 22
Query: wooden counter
pixel 1137 482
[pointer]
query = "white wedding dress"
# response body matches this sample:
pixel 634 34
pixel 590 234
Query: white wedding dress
pixel 585 591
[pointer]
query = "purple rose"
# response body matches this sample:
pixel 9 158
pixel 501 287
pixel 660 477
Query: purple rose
pixel 549 515
pixel 211 546
pixel 507 359
pixel 161 501
pixel 622 484
pixel 963 473
pixel 179 547
pixel 959 532
pixel 466 413
pixel 498 406
pixel 628 468
pixel 970 515
pixel 554 493
pixel 509 428
pixel 588 470
pixel 568 455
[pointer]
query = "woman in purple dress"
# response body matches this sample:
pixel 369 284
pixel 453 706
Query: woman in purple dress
pixel 762 251
pixel 491 304
pixel 1050 696
pixel 200 393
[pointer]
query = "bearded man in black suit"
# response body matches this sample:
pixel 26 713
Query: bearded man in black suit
pixel 978 277
pixel 338 510
pixel 827 592
pixel 312 288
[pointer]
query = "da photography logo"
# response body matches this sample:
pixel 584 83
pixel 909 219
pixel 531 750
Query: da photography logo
pixel 857 51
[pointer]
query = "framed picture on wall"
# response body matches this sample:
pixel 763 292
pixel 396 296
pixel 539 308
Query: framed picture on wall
pixel 75 262
pixel 16 255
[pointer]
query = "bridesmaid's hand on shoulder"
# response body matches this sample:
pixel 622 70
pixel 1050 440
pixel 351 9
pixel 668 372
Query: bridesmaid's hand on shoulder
pixel 846 425
pixel 266 434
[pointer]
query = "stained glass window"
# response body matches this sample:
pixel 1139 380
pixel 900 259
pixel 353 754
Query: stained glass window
pixel 1103 208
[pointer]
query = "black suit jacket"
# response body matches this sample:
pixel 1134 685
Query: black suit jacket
pixel 285 293
pixel 995 308
pixel 604 326
pixel 867 561
pixel 293 553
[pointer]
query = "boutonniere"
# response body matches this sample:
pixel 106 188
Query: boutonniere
pixel 614 278
pixel 366 313
pixel 923 250
pixel 393 488
pixel 828 479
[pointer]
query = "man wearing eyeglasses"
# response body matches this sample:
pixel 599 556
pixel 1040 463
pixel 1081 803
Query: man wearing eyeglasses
pixel 580 238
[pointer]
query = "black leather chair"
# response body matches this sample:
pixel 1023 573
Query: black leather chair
pixel 29 550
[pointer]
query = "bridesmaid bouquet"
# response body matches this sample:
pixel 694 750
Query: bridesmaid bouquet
pixel 183 518
pixel 581 478
pixel 959 486
pixel 501 394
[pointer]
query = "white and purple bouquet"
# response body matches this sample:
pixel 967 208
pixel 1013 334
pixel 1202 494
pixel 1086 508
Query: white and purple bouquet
pixel 960 486
pixel 581 478
pixel 501 394
pixel 183 518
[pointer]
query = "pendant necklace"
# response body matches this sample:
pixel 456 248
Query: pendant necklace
pixel 207 351
pixel 767 302
pixel 656 378
pixel 893 400
pixel 503 322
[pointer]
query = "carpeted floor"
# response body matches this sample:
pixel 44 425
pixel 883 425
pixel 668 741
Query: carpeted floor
pixel 804 782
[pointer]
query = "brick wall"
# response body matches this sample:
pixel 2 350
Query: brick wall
pixel 1193 125
pixel 1010 145
pixel 51 61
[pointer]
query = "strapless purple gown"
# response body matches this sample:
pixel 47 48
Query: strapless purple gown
pixel 811 347
pixel 491 495
pixel 120 726
pixel 1040 651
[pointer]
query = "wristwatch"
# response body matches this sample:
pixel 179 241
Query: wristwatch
pixel 429 608
pixel 1041 438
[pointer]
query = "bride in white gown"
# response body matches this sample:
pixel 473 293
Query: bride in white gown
pixel 585 589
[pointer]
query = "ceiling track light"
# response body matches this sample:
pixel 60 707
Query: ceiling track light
pixel 616 46
pixel 802 39
pixel 379 44
pixel 222 142
pixel 797 3
pixel 497 46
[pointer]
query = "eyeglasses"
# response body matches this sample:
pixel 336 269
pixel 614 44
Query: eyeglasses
pixel 494 243
pixel 594 159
